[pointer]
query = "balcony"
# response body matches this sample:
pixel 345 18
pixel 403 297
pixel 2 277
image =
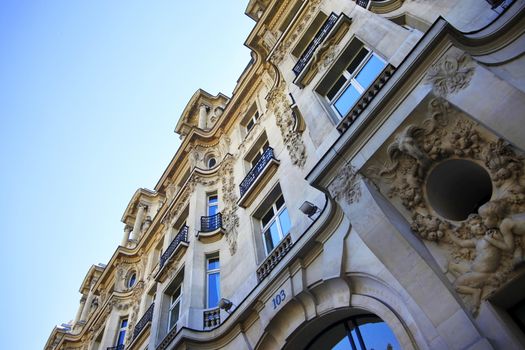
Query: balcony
pixel 177 246
pixel 362 3
pixel 276 255
pixel 181 237
pixel 118 347
pixel 366 98
pixel 314 44
pixel 211 228
pixel 144 321
pixel 259 175
pixel 211 318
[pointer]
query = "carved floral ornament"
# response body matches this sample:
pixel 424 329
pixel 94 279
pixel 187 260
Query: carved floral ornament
pixel 301 27
pixel 451 74
pixel 484 250
pixel 280 105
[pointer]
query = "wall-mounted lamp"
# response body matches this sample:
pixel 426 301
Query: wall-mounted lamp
pixel 225 304
pixel 309 209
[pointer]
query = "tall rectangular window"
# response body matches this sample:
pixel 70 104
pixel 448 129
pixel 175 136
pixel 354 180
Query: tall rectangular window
pixel 174 309
pixel 275 224
pixel 122 331
pixel 213 289
pixel 212 204
pixel 359 74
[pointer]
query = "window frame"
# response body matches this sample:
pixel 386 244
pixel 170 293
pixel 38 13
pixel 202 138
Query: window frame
pixel 210 204
pixel 275 218
pixel 173 303
pixel 210 272
pixel 351 79
pixel 122 330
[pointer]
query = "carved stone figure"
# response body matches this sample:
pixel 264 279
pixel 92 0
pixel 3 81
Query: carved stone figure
pixel 280 105
pixel 489 245
pixel 486 248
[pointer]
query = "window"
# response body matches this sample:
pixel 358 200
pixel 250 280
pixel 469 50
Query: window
pixel 213 290
pixel 358 333
pixel 174 308
pixel 122 332
pixel 275 224
pixel 258 153
pixel 358 75
pixel 211 162
pixel 132 280
pixel 212 204
pixel 251 121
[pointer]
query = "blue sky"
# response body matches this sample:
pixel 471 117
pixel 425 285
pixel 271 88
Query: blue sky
pixel 90 92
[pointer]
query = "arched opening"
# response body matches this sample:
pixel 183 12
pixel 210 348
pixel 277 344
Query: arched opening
pixel 360 332
pixel 457 188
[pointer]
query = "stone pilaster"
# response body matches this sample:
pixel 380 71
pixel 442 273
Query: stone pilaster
pixel 135 234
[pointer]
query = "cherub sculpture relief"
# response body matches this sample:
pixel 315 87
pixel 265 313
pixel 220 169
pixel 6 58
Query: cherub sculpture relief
pixel 490 241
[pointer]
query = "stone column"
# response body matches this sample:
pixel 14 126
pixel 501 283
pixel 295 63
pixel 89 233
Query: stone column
pixel 135 234
pixel 125 237
pixel 168 236
pixel 143 301
pixel 87 307
pixel 203 116
pixel 79 311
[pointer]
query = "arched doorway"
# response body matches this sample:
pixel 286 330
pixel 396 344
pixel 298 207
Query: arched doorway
pixel 359 332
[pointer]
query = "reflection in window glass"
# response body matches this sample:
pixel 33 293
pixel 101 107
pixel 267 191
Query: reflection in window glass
pixel 365 332
pixel 370 71
pixel 275 224
pixel 347 100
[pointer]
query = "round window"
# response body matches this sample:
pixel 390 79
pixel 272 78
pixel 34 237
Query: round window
pixel 132 279
pixel 457 188
pixel 211 162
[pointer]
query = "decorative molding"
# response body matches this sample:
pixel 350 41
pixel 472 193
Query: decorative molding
pixel 345 185
pixel 484 250
pixel 451 74
pixel 280 105
pixel 230 218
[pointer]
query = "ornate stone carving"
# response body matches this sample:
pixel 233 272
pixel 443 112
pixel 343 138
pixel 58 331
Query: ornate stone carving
pixel 484 250
pixel 302 25
pixel 230 218
pixel 345 186
pixel 280 105
pixel 451 74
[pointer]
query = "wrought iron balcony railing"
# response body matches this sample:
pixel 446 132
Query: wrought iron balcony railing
pixel 118 347
pixel 144 320
pixel 211 318
pixel 362 3
pixel 314 44
pixel 257 169
pixel 211 223
pixel 182 236
pixel 276 255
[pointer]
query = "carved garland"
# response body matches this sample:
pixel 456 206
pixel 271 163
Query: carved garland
pixel 230 218
pixel 278 102
pixel 485 248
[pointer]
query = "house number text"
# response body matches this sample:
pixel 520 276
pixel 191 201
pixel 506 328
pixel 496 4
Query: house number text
pixel 278 299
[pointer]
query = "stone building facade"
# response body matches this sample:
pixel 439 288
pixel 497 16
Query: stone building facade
pixel 362 188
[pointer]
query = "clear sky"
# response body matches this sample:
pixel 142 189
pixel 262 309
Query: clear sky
pixel 90 92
